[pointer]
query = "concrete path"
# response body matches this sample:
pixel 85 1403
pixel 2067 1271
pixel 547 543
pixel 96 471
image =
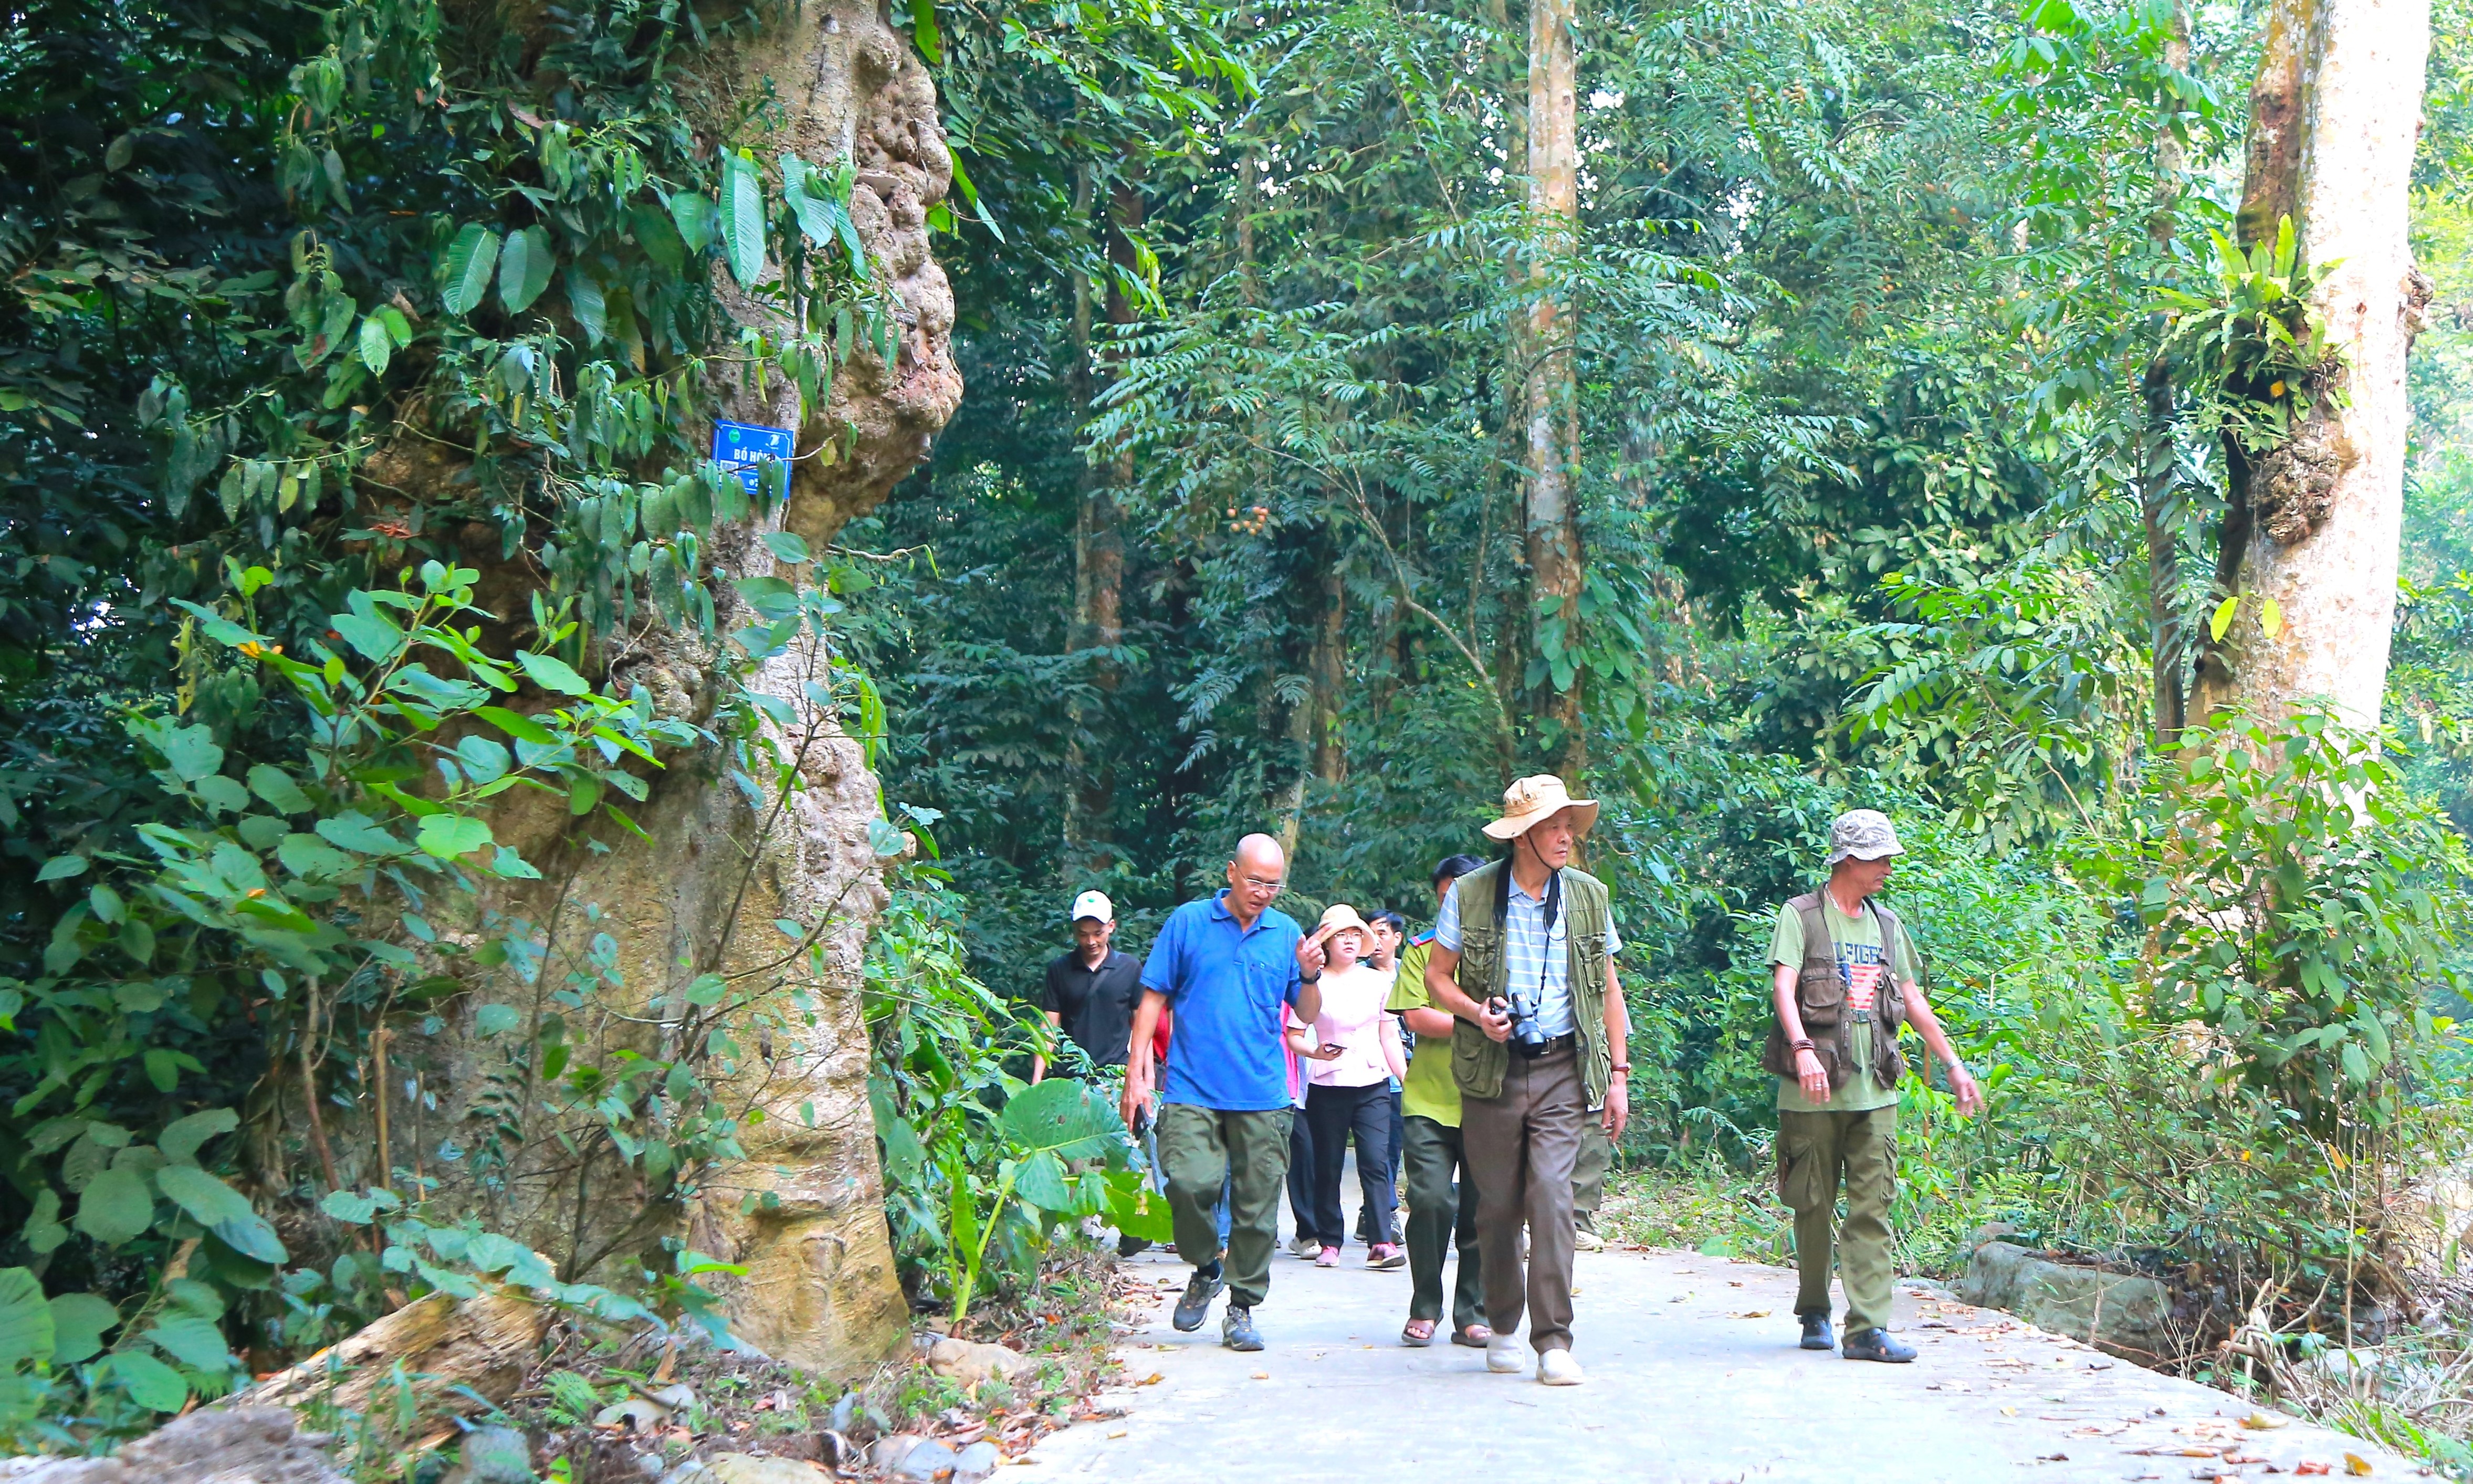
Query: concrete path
pixel 1693 1377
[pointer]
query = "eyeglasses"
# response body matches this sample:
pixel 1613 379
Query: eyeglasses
pixel 1260 884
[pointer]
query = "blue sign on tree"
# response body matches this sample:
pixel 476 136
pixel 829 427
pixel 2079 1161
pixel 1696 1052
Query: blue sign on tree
pixel 744 447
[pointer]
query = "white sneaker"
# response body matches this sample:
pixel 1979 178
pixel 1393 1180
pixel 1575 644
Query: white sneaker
pixel 1586 1241
pixel 1503 1355
pixel 1557 1367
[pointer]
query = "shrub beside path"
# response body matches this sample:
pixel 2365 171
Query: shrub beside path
pixel 1694 1377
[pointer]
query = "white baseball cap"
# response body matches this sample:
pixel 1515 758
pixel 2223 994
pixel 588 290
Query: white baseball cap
pixel 1095 906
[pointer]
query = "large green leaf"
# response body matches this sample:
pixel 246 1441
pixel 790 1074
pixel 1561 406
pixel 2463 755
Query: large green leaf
pixel 1135 1209
pixel 524 268
pixel 551 673
pixel 182 1137
pixel 149 1383
pixel 79 1323
pixel 1063 1117
pixel 469 260
pixel 194 1342
pixel 448 836
pixel 206 1199
pixel 27 1328
pixel 742 218
pixel 115 1207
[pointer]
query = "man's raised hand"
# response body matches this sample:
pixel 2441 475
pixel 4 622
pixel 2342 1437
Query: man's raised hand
pixel 1310 955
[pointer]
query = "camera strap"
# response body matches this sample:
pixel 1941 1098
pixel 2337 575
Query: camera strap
pixel 1502 917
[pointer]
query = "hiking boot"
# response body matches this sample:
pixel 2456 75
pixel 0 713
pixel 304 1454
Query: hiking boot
pixel 1878 1345
pixel 1199 1290
pixel 1237 1330
pixel 1816 1332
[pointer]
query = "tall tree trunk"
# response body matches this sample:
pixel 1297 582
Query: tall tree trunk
pixel 2313 525
pixel 1083 380
pixel 2159 454
pixel 1098 542
pixel 1552 452
pixel 1331 672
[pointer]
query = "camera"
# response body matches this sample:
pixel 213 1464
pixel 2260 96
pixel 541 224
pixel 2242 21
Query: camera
pixel 1528 1037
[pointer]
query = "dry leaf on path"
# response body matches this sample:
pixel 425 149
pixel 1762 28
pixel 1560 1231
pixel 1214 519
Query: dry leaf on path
pixel 2356 1464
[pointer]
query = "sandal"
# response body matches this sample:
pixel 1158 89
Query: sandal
pixel 1474 1336
pixel 1418 1334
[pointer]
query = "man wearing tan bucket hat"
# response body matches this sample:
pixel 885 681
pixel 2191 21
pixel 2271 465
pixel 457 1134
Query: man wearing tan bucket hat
pixel 1523 956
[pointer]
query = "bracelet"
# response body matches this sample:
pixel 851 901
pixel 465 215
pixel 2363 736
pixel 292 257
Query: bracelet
pixel 1802 1044
pixel 1622 1066
pixel 1316 979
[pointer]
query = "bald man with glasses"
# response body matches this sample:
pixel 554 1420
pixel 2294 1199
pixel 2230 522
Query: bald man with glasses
pixel 1229 968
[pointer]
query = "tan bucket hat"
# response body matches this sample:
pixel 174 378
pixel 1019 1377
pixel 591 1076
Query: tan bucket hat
pixel 1530 800
pixel 1340 917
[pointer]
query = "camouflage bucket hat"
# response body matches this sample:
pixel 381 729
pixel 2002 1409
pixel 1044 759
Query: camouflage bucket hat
pixel 1863 834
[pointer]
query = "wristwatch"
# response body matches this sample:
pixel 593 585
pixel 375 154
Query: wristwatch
pixel 1623 1068
pixel 1309 978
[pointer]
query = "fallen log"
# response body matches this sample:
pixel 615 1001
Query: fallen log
pixel 446 1347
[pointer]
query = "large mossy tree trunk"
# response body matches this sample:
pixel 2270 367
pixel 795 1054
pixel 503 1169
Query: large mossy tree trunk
pixel 2310 541
pixel 724 860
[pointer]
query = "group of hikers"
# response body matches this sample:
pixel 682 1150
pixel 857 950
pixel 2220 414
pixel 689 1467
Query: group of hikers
pixel 1488 1062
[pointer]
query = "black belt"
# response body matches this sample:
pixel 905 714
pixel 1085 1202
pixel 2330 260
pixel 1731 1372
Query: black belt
pixel 1552 1046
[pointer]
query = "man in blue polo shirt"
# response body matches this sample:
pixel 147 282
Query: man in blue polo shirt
pixel 1228 968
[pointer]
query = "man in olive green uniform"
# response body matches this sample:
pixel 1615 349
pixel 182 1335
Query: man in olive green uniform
pixel 1523 955
pixel 1440 1209
pixel 1844 978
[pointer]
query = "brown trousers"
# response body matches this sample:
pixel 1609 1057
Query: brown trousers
pixel 1521 1147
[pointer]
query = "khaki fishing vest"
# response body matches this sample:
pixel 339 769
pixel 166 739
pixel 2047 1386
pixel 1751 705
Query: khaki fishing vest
pixel 1820 995
pixel 1478 1063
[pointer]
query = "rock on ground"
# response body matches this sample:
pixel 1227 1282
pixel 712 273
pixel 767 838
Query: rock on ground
pixel 2120 1313
pixel 969 1363
pixel 241 1445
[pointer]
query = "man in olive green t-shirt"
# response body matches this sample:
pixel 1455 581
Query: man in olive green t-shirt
pixel 1440 1210
pixel 1838 1114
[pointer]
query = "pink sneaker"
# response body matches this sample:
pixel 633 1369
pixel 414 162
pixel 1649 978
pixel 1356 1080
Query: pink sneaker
pixel 1328 1258
pixel 1386 1255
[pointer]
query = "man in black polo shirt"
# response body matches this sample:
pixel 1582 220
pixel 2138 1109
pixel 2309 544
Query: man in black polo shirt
pixel 1091 993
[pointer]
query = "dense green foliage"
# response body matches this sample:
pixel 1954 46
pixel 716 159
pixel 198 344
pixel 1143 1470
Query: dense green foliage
pixel 356 361
pixel 354 364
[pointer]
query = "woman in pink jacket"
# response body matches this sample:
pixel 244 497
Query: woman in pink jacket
pixel 1353 1049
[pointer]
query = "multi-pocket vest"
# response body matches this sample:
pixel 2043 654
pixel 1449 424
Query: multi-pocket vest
pixel 1820 995
pixel 1477 1063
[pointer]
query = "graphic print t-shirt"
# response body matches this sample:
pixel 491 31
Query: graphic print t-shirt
pixel 1861 960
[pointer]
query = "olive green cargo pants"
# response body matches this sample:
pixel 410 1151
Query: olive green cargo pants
pixel 1203 1148
pixel 1817 1151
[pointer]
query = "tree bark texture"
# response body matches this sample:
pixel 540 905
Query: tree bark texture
pixel 1551 446
pixel 2159 471
pixel 2314 523
pixel 1099 546
pixel 803 1214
